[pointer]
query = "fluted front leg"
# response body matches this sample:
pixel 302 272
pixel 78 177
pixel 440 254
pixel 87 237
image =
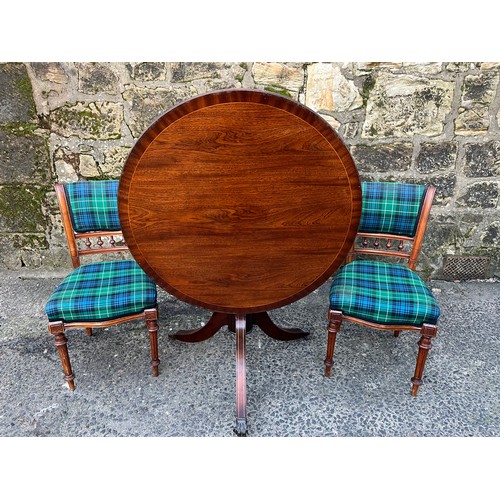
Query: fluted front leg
pixel 424 346
pixel 334 323
pixel 151 316
pixel 56 328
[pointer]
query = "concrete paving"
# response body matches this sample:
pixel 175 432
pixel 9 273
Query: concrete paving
pixel 288 395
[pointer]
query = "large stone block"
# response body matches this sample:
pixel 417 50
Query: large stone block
pixel 382 157
pixel 472 120
pixel 436 156
pixel 24 156
pixel 148 71
pixel 21 208
pixel 491 236
pixel 95 120
pixel 480 195
pixel 183 72
pixel 480 88
pixel 94 78
pixel 278 74
pixel 441 236
pixel 478 92
pixel 445 187
pixel 405 105
pixel 328 89
pixel 52 72
pixel 31 250
pixel 114 159
pixel 482 159
pixel 16 95
pixel 147 104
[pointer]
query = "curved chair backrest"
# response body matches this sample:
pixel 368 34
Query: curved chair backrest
pixel 89 209
pixel 394 212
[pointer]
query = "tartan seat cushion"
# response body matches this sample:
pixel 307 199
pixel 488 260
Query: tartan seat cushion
pixel 102 291
pixel 93 205
pixel 391 208
pixel 383 293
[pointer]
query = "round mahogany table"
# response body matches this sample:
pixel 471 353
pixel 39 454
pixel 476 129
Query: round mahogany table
pixel 240 202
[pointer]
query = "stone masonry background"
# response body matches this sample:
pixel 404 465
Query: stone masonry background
pixel 436 123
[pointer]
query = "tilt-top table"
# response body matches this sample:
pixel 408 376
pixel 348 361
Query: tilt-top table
pixel 240 202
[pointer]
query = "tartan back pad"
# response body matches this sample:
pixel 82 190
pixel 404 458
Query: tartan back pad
pixel 391 208
pixel 102 291
pixel 93 205
pixel 383 293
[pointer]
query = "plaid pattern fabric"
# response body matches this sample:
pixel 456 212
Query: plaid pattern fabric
pixel 102 291
pixel 383 293
pixel 93 205
pixel 390 207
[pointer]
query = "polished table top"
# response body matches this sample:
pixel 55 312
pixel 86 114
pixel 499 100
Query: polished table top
pixel 239 201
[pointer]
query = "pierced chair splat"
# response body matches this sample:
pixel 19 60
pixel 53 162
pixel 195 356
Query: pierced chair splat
pixel 380 293
pixel 103 293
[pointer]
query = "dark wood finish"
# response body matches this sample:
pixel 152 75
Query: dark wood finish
pixel 424 346
pixel 57 328
pixel 241 428
pixel 151 317
pixel 334 324
pixel 335 318
pixel 239 201
pixel 60 340
pixel 218 320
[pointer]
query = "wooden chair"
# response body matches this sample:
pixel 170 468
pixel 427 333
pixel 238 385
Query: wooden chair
pixel 104 293
pixel 381 294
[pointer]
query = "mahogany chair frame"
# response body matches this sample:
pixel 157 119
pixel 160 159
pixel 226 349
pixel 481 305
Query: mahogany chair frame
pixel 427 331
pixel 57 328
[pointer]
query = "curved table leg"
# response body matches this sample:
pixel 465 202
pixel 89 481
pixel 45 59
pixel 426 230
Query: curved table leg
pixel 218 320
pixel 214 324
pixel 241 389
pixel 266 324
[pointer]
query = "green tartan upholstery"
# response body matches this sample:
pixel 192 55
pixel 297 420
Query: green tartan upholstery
pixel 93 205
pixel 383 293
pixel 102 291
pixel 391 208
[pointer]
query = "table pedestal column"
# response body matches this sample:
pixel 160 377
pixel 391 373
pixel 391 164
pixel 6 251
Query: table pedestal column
pixel 241 386
pixel 240 324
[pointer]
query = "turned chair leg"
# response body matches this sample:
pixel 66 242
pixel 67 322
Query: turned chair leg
pixel 424 346
pixel 151 316
pixel 88 332
pixel 57 329
pixel 397 332
pixel 334 323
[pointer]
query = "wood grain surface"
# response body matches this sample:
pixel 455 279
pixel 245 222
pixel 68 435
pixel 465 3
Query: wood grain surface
pixel 239 201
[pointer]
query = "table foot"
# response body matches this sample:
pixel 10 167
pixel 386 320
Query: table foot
pixel 241 428
pixel 274 331
pixel 214 324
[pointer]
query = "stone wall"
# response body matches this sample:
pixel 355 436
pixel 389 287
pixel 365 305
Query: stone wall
pixel 436 123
